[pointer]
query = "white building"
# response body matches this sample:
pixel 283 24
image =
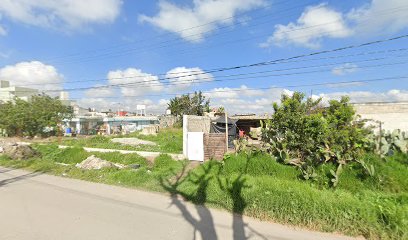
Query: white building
pixel 391 115
pixel 90 124
pixel 8 93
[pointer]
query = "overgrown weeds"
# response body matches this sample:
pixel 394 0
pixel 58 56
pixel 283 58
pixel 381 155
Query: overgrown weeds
pixel 168 140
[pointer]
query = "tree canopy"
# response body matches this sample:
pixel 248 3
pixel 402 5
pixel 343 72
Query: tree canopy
pixel 304 133
pixel 22 118
pixel 195 104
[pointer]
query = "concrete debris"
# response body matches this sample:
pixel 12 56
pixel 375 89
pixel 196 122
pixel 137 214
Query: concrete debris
pixel 95 163
pixel 18 151
pixel 133 141
pixel 150 130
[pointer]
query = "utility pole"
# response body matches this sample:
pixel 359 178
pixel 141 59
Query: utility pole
pixel 380 136
pixel 226 131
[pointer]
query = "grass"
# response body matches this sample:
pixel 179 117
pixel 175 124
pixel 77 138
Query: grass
pixel 237 185
pixel 258 186
pixel 168 140
pixel 146 177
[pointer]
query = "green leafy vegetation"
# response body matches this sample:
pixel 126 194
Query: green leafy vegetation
pixel 194 104
pixel 40 116
pixel 390 142
pixel 320 168
pixel 62 162
pixel 305 134
pixel 258 185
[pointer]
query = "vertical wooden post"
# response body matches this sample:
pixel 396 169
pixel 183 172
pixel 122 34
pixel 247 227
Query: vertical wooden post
pixel 226 131
pixel 380 137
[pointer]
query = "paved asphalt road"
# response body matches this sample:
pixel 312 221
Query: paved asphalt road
pixel 39 206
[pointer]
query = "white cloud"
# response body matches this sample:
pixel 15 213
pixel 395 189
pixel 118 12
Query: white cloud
pixel 207 14
pixel 237 103
pixel 164 102
pixel 380 16
pixel 221 93
pixel 71 14
pixel 5 55
pixel 241 104
pixel 3 31
pixel 348 84
pixel 137 83
pixel 315 23
pixel 345 69
pixel 97 103
pixel 227 92
pixel 28 73
pixel 321 21
pixel 127 104
pixel 244 100
pixel 394 95
pixel 182 78
pixel 100 91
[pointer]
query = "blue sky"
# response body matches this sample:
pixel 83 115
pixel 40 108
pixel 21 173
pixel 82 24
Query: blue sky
pixel 163 48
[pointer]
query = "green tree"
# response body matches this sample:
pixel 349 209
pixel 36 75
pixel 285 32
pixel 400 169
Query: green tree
pixel 195 104
pixel 21 118
pixel 306 134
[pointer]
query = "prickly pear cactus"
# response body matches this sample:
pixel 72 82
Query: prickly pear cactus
pixel 395 141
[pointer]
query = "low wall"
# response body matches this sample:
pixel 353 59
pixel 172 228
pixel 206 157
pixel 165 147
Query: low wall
pixel 392 115
pixel 194 124
pixel 214 146
pixel 167 121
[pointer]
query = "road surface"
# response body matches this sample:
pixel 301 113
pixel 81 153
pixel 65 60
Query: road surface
pixel 40 206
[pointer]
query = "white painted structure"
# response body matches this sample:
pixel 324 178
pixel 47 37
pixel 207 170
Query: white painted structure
pixel 87 124
pixel 8 93
pixel 141 110
pixel 194 128
pixel 195 146
pixel 391 115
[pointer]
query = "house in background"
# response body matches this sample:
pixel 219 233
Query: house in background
pixel 91 124
pixel 9 93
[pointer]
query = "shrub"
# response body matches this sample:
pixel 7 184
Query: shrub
pixel 306 134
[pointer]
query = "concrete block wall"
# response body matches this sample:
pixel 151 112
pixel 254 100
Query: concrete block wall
pixel 194 124
pixel 214 146
pixel 392 115
pixel 167 121
pixel 198 124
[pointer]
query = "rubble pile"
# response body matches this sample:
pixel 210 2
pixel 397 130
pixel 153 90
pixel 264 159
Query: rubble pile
pixel 95 163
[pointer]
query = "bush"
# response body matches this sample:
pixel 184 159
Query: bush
pixel 286 199
pixel 306 134
pixel 41 116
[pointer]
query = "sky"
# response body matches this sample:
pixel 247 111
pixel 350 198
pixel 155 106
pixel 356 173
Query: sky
pixel 117 54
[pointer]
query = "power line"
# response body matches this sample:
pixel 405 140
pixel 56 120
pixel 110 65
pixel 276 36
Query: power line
pixel 210 79
pixel 161 46
pixel 276 60
pixel 264 63
pixel 91 58
pixel 274 87
pixel 194 27
pixel 203 73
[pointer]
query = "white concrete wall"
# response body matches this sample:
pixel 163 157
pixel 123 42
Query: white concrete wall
pixel 9 93
pixel 392 115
